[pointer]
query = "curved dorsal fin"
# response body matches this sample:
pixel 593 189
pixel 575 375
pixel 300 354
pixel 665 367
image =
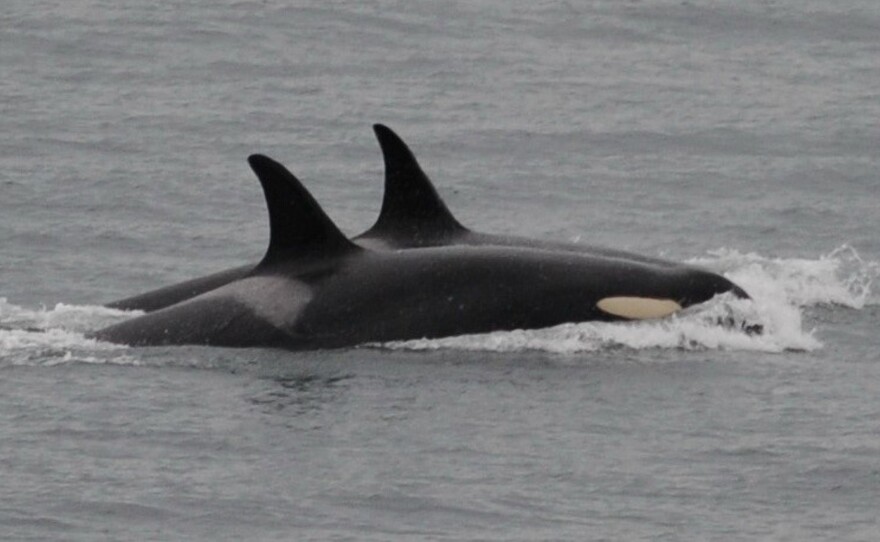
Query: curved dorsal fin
pixel 411 205
pixel 298 227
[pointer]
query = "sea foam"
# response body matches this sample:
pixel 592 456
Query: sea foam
pixel 46 336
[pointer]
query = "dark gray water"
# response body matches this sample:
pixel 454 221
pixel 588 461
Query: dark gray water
pixel 742 137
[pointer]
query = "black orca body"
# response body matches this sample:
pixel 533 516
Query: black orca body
pixel 413 215
pixel 316 289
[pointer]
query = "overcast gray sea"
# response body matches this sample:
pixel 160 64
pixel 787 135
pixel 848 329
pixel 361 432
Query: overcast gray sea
pixel 741 136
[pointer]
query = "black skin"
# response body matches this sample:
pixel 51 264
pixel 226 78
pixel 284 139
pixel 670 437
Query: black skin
pixel 413 215
pixel 366 296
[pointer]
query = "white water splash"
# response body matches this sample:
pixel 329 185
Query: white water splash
pixel 56 336
pixel 840 277
pixel 782 289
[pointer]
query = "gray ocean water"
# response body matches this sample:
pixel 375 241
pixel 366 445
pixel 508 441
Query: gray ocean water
pixel 742 136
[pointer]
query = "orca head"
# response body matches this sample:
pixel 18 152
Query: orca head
pixel 698 286
pixel 701 286
pixel 667 293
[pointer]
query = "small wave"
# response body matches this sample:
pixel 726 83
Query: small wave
pixel 70 317
pixel 46 337
pixel 782 289
pixel 840 277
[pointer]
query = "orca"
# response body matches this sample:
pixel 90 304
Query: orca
pixel 316 289
pixel 413 215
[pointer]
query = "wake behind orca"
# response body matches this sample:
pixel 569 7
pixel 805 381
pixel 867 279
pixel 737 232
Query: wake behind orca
pixel 315 288
pixel 413 215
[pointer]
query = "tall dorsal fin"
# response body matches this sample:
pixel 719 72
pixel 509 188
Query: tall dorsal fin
pixel 411 205
pixel 298 227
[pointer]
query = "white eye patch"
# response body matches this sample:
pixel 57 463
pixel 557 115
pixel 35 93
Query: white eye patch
pixel 638 308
